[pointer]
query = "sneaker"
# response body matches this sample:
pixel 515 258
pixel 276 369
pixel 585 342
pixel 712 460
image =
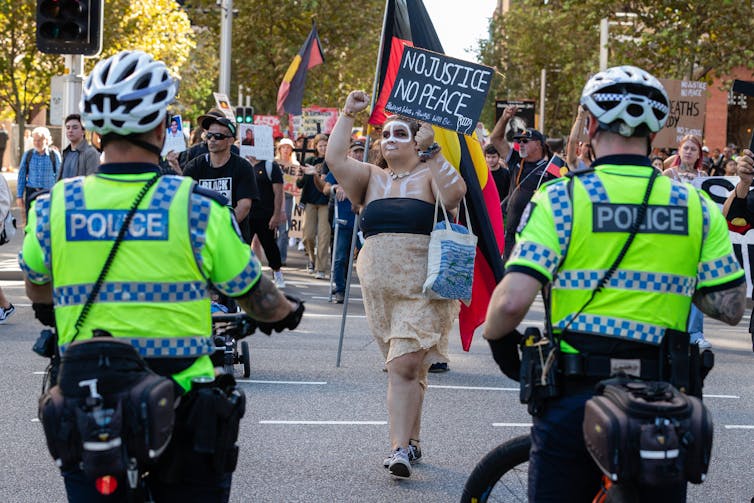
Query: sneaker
pixel 319 275
pixel 414 455
pixel 339 298
pixel 703 344
pixel 310 267
pixel 6 312
pixel 278 278
pixel 398 464
pixel 438 367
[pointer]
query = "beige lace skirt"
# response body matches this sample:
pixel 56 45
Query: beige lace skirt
pixel 392 269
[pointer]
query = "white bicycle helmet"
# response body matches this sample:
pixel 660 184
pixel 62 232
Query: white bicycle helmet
pixel 127 93
pixel 627 100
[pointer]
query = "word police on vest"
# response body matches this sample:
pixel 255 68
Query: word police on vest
pixel 104 225
pixel 658 220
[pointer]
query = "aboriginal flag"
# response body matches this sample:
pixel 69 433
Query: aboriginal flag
pixel 555 166
pixel 291 92
pixel 407 23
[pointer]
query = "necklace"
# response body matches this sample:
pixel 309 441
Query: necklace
pixel 398 176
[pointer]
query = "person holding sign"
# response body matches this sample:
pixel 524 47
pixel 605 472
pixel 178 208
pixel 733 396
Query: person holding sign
pixel 528 169
pixel 398 197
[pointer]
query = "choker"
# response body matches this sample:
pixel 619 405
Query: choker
pixel 398 176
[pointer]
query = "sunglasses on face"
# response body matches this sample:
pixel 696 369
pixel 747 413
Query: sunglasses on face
pixel 524 141
pixel 216 136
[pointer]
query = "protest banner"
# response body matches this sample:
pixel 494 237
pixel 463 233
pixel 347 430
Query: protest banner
pixel 175 137
pixel 270 120
pixel 223 103
pixel 313 121
pixel 719 188
pixel 290 174
pixel 441 90
pixel 257 142
pixel 688 100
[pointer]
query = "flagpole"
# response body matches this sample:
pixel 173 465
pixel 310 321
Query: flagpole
pixel 367 147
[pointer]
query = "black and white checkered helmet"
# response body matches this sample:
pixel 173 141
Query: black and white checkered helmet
pixel 627 100
pixel 127 93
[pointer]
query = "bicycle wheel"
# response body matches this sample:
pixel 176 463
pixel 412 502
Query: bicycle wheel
pixel 501 475
pixel 246 358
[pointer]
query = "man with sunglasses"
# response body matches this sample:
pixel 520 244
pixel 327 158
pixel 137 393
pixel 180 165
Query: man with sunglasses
pixel 527 165
pixel 223 171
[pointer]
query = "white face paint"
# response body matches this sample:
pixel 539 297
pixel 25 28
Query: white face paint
pixel 397 131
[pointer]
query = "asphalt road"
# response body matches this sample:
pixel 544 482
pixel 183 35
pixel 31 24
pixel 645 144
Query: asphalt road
pixel 315 432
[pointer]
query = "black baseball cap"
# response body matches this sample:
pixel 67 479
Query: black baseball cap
pixel 356 145
pixel 530 134
pixel 216 117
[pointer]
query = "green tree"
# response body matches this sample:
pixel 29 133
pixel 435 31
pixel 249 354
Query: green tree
pixel 25 73
pixel 690 39
pixel 159 27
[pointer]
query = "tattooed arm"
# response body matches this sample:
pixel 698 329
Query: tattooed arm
pixel 264 302
pixel 724 305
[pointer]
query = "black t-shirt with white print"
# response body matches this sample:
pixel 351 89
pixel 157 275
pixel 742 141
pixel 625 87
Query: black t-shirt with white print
pixel 235 179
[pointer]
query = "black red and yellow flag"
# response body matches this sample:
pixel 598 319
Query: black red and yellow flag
pixel 291 92
pixel 407 23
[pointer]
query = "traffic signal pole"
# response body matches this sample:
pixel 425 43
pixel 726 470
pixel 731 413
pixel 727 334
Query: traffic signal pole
pixel 72 84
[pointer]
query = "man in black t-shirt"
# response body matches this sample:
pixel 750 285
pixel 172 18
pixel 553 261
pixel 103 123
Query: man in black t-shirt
pixel 225 172
pixel 267 213
pixel 500 174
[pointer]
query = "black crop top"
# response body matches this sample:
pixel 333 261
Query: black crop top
pixel 397 214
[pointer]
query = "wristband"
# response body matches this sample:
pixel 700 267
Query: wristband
pixel 350 115
pixel 431 151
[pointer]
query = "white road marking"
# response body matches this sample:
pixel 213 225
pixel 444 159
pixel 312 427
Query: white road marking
pixel 722 396
pixel 483 388
pixel 522 425
pixel 254 381
pixel 35 420
pixel 377 423
pixel 739 426
pixel 39 373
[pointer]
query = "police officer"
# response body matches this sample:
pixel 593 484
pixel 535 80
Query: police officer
pixel 563 242
pixel 155 292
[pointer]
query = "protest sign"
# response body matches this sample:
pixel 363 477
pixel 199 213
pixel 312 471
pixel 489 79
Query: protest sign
pixel 290 174
pixel 444 91
pixel 719 188
pixel 223 103
pixel 523 119
pixel 257 142
pixel 296 230
pixel 270 120
pixel 175 138
pixel 313 121
pixel 688 100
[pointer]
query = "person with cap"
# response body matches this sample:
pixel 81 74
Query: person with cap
pixel 527 165
pixel 223 171
pixel 197 148
pixel 290 166
pixel 129 291
pixel 343 222
pixel 598 275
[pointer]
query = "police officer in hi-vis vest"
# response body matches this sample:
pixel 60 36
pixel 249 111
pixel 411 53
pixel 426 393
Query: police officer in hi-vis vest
pixel 574 231
pixel 154 293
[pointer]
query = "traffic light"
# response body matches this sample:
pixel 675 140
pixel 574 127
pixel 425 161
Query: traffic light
pixel 239 115
pixel 248 115
pixel 70 26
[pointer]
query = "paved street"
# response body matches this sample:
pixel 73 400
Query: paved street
pixel 315 432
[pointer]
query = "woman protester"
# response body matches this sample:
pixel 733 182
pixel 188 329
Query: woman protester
pixel 290 166
pixel 685 167
pixel 398 215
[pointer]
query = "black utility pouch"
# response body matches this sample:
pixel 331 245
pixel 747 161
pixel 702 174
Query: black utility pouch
pixel 540 379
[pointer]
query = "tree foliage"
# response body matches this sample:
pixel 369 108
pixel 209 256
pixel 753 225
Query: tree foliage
pixel 690 39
